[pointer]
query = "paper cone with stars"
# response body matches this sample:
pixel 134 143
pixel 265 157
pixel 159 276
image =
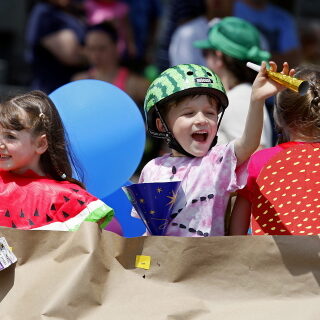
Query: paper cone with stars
pixel 154 203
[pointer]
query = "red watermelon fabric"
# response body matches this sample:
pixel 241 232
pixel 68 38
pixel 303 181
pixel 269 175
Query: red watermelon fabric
pixel 286 194
pixel 30 201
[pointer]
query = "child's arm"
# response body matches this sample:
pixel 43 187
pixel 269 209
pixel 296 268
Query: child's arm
pixel 262 89
pixel 240 216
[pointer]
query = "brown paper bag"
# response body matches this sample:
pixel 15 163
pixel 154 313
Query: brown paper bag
pixel 91 274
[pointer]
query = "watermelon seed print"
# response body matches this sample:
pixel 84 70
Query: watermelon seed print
pixel 46 208
pixel 65 214
pixel 290 183
pixel 81 202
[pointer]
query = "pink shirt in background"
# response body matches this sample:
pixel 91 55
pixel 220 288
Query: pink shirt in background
pixel 99 11
pixel 120 79
pixel 204 193
pixel 112 11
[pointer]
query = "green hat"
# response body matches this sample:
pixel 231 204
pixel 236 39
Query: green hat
pixel 236 38
pixel 180 80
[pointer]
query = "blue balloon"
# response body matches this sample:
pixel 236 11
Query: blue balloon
pixel 131 227
pixel 106 131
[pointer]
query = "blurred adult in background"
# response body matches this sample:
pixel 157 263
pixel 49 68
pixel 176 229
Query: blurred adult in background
pixel 230 44
pixel 276 24
pixel 117 13
pixel 181 49
pixel 53 39
pixel 176 12
pixel 104 59
pixel 310 40
pixel 145 19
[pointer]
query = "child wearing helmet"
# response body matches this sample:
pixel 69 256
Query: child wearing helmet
pixel 184 106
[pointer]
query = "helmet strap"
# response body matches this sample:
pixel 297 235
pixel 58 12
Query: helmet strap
pixel 168 136
pixel 172 141
pixel 215 140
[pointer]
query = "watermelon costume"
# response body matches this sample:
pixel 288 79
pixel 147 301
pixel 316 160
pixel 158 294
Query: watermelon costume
pixel 284 189
pixel 30 201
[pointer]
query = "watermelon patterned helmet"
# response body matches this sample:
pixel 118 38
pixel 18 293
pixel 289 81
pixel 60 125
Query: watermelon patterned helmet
pixel 180 80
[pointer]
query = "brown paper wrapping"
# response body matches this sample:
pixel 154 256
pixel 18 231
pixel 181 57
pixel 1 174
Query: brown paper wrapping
pixel 91 274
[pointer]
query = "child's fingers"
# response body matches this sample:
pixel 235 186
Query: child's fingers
pixel 285 68
pixel 273 66
pixel 263 67
pixel 292 72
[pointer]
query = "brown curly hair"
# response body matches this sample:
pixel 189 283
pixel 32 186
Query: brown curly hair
pixel 300 114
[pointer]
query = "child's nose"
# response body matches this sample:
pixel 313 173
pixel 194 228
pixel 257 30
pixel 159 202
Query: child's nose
pixel 201 118
pixel 2 144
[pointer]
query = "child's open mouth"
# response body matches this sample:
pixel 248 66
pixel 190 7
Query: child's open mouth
pixel 200 136
pixel 4 157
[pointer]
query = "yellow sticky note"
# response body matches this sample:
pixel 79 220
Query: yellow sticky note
pixel 143 262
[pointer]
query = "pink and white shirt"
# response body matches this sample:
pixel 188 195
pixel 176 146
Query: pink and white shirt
pixel 203 196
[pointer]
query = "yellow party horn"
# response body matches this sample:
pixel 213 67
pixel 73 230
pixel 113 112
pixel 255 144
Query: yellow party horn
pixel 297 85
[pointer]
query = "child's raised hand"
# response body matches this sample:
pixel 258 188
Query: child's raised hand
pixel 264 87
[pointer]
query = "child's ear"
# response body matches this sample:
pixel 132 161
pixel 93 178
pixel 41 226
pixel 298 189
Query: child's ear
pixel 219 55
pixel 42 144
pixel 215 61
pixel 159 125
